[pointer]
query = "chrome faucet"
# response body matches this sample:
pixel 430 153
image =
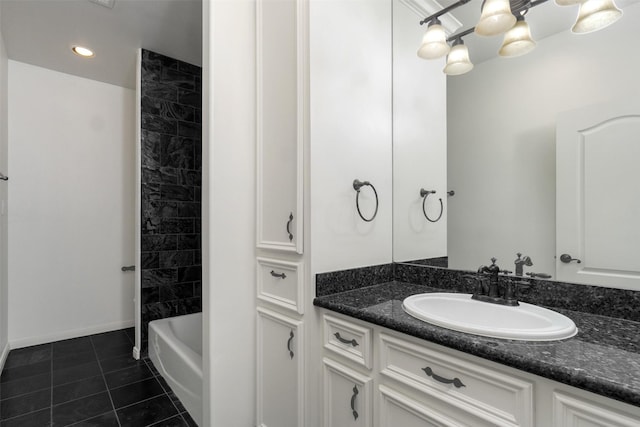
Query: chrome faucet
pixel 520 262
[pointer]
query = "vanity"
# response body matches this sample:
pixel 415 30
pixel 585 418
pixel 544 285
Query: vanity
pixel 384 367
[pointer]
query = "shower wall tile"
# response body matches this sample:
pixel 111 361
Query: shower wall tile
pixel 160 242
pixel 171 135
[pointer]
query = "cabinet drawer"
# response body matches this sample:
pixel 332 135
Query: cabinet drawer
pixel 571 411
pixel 281 283
pixel 348 340
pixel 493 396
pixel 398 410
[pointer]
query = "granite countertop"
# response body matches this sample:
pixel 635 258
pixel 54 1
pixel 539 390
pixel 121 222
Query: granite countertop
pixel 604 357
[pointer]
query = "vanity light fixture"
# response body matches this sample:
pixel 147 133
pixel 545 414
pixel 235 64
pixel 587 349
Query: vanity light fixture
pixel 434 42
pixel 82 51
pixel 458 61
pixel 517 41
pixel 506 16
pixel 595 15
pixel 496 18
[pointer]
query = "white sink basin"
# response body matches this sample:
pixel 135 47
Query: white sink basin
pixel 461 313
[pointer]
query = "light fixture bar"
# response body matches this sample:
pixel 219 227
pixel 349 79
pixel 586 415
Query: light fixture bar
pixel 524 7
pixel 443 11
pixel 461 34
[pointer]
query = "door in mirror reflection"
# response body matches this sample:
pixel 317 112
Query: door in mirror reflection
pixel 598 195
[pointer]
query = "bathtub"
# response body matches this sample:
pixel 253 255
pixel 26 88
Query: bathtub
pixel 175 348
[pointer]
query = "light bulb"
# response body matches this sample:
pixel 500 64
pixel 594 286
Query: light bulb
pixel 496 18
pixel 458 61
pixel 82 51
pixel 517 41
pixel 595 15
pixel 434 42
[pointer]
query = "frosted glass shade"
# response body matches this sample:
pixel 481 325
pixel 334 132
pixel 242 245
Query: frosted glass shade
pixel 568 2
pixel 496 18
pixel 434 42
pixel 517 41
pixel 595 15
pixel 458 61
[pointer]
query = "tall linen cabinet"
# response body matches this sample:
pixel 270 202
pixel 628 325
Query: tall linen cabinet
pixel 282 111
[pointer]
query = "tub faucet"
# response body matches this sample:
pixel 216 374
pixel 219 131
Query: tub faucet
pixel 519 262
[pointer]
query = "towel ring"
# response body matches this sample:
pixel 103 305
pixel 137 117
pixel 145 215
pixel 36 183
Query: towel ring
pixel 424 194
pixel 357 185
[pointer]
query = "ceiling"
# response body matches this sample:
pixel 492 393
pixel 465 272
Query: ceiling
pixel 544 20
pixel 41 33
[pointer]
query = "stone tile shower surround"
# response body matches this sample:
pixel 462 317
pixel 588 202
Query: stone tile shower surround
pixel 171 140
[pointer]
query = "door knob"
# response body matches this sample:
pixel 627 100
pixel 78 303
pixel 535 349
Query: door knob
pixel 566 258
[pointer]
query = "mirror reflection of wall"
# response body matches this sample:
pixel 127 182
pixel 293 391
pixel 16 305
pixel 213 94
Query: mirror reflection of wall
pixel 501 128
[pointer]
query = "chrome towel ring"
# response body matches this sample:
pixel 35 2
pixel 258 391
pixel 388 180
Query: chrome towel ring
pixel 424 194
pixel 357 185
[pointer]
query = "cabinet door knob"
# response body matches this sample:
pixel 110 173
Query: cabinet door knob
pixel 353 402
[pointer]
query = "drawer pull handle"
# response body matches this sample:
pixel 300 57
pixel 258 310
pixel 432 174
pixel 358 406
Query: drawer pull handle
pixel 353 402
pixel 353 342
pixel 456 381
pixel 280 275
pixel 288 225
pixel 289 344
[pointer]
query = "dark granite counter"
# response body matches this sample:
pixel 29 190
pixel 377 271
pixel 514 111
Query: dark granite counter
pixel 604 357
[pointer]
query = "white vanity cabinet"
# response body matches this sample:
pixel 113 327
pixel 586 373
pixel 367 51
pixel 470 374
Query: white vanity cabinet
pixel 573 411
pixel 281 74
pixel 421 384
pixel 280 370
pixel 458 391
pixel 348 396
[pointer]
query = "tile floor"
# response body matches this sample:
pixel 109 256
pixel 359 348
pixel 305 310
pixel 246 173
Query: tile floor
pixel 87 381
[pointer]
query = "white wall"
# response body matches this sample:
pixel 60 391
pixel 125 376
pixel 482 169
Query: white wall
pixel 350 136
pixel 419 143
pixel 71 142
pixel 501 131
pixel 229 194
pixel 4 305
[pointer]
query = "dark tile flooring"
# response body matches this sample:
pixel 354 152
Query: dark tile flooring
pixel 87 381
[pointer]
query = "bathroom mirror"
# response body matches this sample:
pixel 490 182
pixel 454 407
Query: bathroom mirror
pixel 500 144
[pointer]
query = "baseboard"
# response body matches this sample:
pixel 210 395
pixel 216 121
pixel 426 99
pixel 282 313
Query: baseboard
pixel 4 354
pixel 72 333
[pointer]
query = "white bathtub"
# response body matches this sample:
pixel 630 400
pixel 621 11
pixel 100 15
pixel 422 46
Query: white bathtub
pixel 175 348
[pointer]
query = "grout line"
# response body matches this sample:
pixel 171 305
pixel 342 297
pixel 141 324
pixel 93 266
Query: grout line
pixel 164 419
pixel 24 394
pixel 82 421
pixel 105 384
pixel 167 392
pixel 22 415
pixel 143 400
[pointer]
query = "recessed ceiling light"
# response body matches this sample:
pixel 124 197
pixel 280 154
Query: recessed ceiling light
pixel 82 51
